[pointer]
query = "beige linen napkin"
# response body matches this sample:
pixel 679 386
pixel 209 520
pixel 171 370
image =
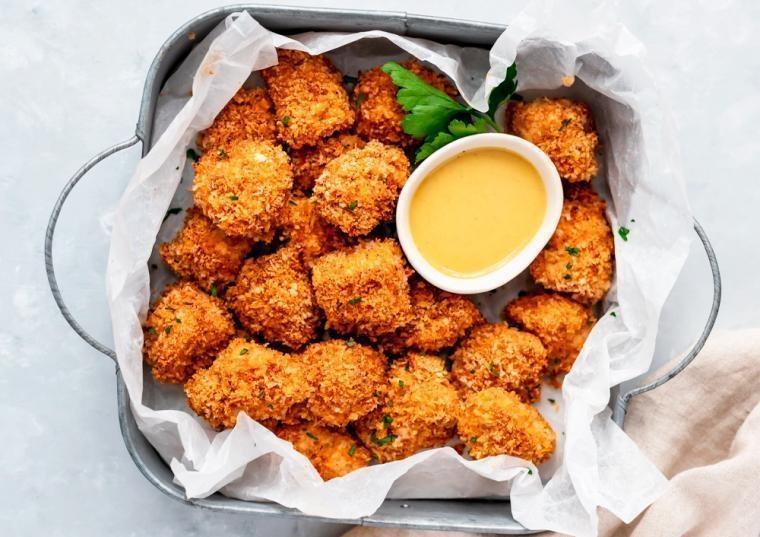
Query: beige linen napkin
pixel 703 430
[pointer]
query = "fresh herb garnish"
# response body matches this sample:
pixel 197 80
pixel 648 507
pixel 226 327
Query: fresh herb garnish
pixel 565 123
pixel 623 232
pixel 494 369
pixel 504 91
pixel 613 314
pixel 312 436
pixel 376 393
pixel 473 439
pixel 572 250
pixel 152 330
pixel 178 320
pixel 387 420
pixel 354 301
pixel 360 98
pixel 382 441
pixel 234 197
pixel 352 450
pixel 214 291
pixel 400 383
pixel 173 210
pixel 568 266
pixel 567 277
pixel 192 154
pixel 353 205
pixel 243 351
pixel 221 153
pixel 530 471
pixel 168 329
pixel 286 120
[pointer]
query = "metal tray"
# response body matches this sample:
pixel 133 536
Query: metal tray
pixel 486 516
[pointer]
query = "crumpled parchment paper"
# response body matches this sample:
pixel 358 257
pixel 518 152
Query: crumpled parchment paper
pixel 596 464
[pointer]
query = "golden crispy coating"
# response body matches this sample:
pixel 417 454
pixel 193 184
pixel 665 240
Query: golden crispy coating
pixel 306 231
pixel 347 378
pixel 439 319
pixel 333 453
pixel 273 298
pixel 378 115
pixel 359 189
pixel 184 330
pixel 203 253
pixel 496 355
pixel 496 422
pixel 309 98
pixel 244 188
pixel 248 116
pixel 251 378
pixel 578 258
pixel 560 323
pixel 420 410
pixel 561 128
pixel 308 162
pixel 363 289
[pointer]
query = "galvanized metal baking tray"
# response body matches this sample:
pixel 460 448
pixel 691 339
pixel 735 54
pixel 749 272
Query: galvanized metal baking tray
pixel 486 516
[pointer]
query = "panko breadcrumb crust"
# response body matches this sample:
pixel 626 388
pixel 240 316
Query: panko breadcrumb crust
pixel 364 289
pixel 496 422
pixel 439 319
pixel 359 189
pixel 497 355
pixel 378 113
pixel 560 323
pixel 347 380
pixel 561 128
pixel 308 162
pixel 203 253
pixel 251 378
pixel 333 453
pixel 244 188
pixel 248 116
pixel 183 332
pixel 273 298
pixel 306 231
pixel 578 260
pixel 419 412
pixel 309 98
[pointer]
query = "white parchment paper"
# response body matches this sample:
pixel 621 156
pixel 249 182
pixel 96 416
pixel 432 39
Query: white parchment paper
pixel 596 464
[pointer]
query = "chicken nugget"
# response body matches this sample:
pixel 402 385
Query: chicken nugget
pixel 439 319
pixel 378 113
pixel 251 378
pixel 308 162
pixel 333 453
pixel 184 330
pixel 244 188
pixel 203 253
pixel 496 422
pixel 347 379
pixel 419 412
pixel 359 189
pixel 307 232
pixel 273 298
pixel 496 355
pixel 578 258
pixel 363 289
pixel 248 116
pixel 309 98
pixel 560 323
pixel 561 128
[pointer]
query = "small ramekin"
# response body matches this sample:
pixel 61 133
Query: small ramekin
pixel 509 269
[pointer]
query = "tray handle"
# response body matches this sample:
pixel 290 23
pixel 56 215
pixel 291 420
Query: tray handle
pixel 623 399
pixel 49 269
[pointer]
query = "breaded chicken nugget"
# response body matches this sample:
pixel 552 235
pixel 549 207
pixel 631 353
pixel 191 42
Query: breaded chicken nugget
pixel 307 232
pixel 308 162
pixel 378 115
pixel 496 355
pixel 561 128
pixel 496 422
pixel 333 453
pixel 248 116
pixel 439 319
pixel 347 379
pixel 560 323
pixel 578 258
pixel 244 188
pixel 420 410
pixel 251 378
pixel 203 253
pixel 273 298
pixel 359 189
pixel 363 289
pixel 309 98
pixel 184 330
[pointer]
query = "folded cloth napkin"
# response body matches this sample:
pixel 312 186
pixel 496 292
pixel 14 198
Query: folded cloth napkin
pixel 702 429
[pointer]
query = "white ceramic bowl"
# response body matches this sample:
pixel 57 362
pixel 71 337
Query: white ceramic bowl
pixel 510 268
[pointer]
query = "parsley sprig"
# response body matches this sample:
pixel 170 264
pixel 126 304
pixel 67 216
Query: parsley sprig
pixel 438 119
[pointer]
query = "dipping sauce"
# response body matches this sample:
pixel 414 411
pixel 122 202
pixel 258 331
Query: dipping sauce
pixel 476 211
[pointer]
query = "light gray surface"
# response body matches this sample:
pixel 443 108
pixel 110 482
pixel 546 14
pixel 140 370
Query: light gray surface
pixel 72 78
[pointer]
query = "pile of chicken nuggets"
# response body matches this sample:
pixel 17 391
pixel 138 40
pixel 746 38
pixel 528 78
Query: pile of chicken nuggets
pixel 295 305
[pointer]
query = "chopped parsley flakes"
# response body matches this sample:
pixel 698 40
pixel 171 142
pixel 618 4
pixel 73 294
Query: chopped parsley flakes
pixel 623 232
pixel 382 441
pixel 572 250
pixel 354 301
pixel 352 450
